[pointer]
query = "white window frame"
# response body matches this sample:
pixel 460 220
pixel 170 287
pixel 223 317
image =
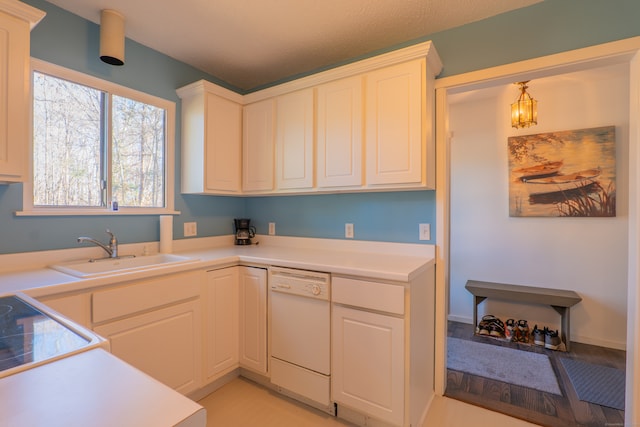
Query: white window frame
pixel 28 209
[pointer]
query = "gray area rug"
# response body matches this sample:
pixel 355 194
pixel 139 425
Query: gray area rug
pixel 597 384
pixel 504 364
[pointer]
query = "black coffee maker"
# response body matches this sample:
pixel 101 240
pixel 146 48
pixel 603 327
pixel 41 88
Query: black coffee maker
pixel 244 231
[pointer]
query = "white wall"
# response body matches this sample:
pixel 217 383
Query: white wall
pixel 588 255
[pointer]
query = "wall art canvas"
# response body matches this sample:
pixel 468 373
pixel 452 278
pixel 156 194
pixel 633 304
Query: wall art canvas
pixel 563 174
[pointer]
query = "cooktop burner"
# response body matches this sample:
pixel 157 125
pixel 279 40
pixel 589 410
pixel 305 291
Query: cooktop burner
pixel 29 336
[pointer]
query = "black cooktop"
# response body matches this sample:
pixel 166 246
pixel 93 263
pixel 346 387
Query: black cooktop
pixel 29 336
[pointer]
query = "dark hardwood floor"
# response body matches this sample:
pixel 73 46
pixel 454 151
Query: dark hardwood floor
pixel 532 405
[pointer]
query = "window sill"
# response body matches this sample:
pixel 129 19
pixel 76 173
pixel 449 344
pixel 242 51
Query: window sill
pixel 95 212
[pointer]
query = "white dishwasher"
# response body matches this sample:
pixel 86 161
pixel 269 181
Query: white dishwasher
pixel 300 315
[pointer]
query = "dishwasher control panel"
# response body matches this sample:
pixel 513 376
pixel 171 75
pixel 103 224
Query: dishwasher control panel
pixel 312 284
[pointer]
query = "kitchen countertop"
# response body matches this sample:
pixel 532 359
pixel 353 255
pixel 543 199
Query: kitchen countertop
pixel 129 396
pixel 57 394
pixel 395 262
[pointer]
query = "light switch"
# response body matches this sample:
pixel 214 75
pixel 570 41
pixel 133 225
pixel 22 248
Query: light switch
pixel 348 231
pixel 425 232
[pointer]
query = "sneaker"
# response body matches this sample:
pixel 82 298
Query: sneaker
pixel 484 327
pixel 539 335
pixel 510 331
pixel 552 340
pixel 523 331
pixel 496 328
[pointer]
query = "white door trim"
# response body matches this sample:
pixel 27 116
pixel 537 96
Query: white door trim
pixel 623 51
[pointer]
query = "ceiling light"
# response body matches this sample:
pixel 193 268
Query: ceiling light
pixel 112 37
pixel 524 112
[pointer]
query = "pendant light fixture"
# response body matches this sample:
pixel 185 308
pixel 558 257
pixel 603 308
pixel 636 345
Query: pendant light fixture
pixel 112 37
pixel 524 112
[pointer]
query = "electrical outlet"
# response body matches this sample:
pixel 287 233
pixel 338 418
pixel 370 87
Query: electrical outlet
pixel 272 229
pixel 425 232
pixel 348 231
pixel 190 229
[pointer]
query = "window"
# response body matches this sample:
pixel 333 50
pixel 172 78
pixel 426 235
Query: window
pixel 95 142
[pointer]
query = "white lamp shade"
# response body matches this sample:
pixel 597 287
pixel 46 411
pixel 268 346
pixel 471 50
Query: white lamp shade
pixel 112 37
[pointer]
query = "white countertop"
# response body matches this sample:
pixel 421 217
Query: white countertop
pixel 95 389
pixel 130 397
pixel 396 262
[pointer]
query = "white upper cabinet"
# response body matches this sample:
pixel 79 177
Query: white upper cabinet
pixel 364 126
pixel 258 146
pixel 16 21
pixel 294 140
pixel 211 139
pixel 396 146
pixel 339 133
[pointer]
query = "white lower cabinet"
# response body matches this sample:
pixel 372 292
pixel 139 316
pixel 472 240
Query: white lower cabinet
pixel 75 307
pixel 368 363
pixel 190 329
pixel 253 319
pixel 382 349
pixel 235 321
pixel 155 325
pixel 221 322
pixel 164 343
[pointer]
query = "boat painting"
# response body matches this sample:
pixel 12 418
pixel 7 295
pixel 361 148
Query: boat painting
pixel 539 170
pixel 559 183
pixel 563 173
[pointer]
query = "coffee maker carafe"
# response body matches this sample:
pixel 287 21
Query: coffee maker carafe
pixel 244 231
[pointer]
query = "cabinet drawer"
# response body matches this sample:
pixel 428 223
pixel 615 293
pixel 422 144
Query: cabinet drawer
pixel 144 295
pixel 365 294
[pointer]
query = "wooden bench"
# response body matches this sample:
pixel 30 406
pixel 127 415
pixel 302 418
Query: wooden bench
pixel 560 300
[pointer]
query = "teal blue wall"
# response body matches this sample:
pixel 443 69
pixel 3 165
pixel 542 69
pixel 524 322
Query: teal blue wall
pixel 376 216
pixel 65 39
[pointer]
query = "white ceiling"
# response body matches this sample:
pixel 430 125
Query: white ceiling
pixel 249 43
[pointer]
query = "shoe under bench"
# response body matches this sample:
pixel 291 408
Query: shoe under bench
pixel 561 300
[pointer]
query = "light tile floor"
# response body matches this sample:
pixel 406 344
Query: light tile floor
pixel 242 403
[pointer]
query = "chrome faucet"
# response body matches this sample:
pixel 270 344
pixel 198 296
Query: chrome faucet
pixel 111 249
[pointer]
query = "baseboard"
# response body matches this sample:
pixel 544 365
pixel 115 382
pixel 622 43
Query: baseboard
pixel 358 418
pixel 203 392
pixel 423 417
pixel 616 345
pixel 460 319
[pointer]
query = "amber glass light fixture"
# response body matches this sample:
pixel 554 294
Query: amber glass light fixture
pixel 524 112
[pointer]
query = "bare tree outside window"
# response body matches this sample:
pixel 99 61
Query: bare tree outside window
pixel 78 163
pixel 138 153
pixel 66 143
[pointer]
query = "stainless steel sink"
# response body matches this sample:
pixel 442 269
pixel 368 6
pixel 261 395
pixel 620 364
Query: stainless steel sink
pixel 103 267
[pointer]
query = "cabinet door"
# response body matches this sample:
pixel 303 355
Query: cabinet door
pixel 258 146
pixel 339 133
pixel 221 322
pixel 394 119
pixel 223 144
pixel 14 98
pixel 253 319
pixel 368 363
pixel 294 140
pixel 75 307
pixel 163 343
